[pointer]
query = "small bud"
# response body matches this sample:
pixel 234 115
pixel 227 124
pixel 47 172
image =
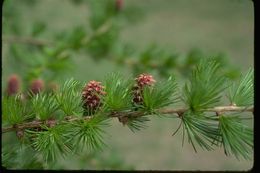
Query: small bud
pixel 141 81
pixel 119 5
pixel 13 85
pixel 123 120
pixel 91 95
pixel 37 86
pixel 20 133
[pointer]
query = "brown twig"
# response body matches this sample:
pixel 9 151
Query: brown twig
pixel 38 123
pixel 179 111
pixel 26 40
pixel 101 30
pixel 232 108
pixel 36 42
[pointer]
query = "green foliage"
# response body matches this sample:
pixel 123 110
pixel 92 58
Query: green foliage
pixel 237 138
pixel 20 157
pixel 230 71
pixel 73 133
pixel 101 11
pixel 69 98
pixel 206 85
pixel 89 133
pixel 52 59
pixel 118 93
pixel 200 129
pixel 160 95
pixel 107 31
pixel 242 92
pixel 74 38
pixel 38 28
pixel 44 105
pixel 132 14
pixel 155 58
pixel 7 155
pixel 193 57
pixel 58 66
pixel 52 142
pixel 104 42
pixel 112 159
pixel 14 111
pixel 136 124
pixel 11 12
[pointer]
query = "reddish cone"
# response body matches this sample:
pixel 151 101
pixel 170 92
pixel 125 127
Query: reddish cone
pixel 37 86
pixel 141 81
pixel 119 5
pixel 13 85
pixel 91 95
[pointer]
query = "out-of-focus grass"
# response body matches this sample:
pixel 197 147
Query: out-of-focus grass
pixel 176 25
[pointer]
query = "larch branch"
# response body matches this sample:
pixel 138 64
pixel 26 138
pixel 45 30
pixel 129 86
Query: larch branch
pixel 26 40
pixel 37 42
pixel 132 114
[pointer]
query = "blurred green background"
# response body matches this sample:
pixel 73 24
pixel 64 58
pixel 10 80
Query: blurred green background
pixel 177 26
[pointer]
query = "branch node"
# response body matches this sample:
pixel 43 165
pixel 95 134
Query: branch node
pixel 233 104
pixel 51 122
pixel 68 118
pixel 218 113
pixel 123 119
pixel 180 114
pixel 15 126
pixel 20 133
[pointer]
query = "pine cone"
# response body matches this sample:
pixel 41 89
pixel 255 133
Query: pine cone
pixel 37 86
pixel 13 85
pixel 141 81
pixel 91 95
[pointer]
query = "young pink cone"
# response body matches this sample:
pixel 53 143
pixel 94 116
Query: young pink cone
pixel 119 5
pixel 91 95
pixel 37 86
pixel 13 85
pixel 141 81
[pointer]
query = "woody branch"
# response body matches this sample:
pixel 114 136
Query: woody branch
pixel 135 114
